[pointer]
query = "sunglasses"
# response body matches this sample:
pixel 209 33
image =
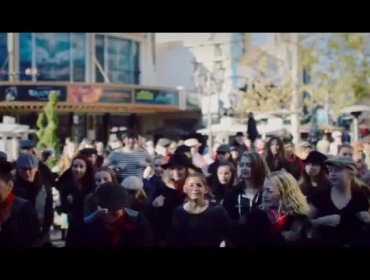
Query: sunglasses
pixel 221 153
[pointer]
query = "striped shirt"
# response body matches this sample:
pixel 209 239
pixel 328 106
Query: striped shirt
pixel 131 160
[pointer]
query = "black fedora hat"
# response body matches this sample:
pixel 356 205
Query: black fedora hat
pixel 316 157
pixel 179 160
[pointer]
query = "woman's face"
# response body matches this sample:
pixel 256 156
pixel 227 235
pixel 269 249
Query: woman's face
pixel 234 154
pixel 270 195
pixel 78 168
pixel 157 164
pixel 339 176
pixel 244 168
pixel 224 175
pixel 274 147
pixel 195 189
pixel 178 173
pixel 102 177
pixel 311 169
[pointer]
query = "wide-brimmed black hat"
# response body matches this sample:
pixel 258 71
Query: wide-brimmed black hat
pixel 182 149
pixel 179 160
pixel 111 197
pixel 316 157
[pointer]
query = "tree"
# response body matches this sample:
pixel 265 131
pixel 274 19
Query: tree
pixel 338 66
pixel 47 124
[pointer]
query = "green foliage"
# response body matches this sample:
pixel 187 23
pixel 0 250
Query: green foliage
pixel 47 124
pixel 339 70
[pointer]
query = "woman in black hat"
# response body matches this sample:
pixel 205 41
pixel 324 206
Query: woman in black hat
pixel 19 226
pixel 72 198
pixel 315 175
pixel 197 223
pixel 115 226
pixel 169 195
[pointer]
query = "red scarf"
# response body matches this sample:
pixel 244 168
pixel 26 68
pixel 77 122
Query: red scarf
pixel 117 227
pixel 179 185
pixel 277 219
pixel 5 206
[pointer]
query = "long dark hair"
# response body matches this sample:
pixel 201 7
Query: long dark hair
pixel 323 181
pixel 87 181
pixel 217 189
pixel 270 156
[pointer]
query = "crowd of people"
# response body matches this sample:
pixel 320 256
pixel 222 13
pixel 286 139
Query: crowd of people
pixel 132 194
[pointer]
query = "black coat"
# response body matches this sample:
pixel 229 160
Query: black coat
pixel 22 228
pixel 40 195
pixel 75 211
pixel 258 231
pixel 136 232
pixel 237 205
pixel 46 174
pixel 65 178
pixel 160 218
pixel 252 129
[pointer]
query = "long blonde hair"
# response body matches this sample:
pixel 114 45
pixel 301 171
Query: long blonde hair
pixel 291 197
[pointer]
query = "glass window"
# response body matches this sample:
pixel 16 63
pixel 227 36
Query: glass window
pixel 136 58
pixel 259 39
pixel 99 53
pixel 53 56
pixel 4 56
pixel 78 54
pixel 119 58
pixel 25 61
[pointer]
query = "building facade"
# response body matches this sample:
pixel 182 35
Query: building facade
pixel 103 80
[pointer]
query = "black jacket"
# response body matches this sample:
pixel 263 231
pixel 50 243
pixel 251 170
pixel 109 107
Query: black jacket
pixel 136 232
pixel 237 205
pixel 160 218
pixel 65 178
pixel 258 231
pixel 39 194
pixel 46 174
pixel 22 228
pixel 75 211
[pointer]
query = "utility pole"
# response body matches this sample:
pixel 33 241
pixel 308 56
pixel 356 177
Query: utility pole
pixel 11 72
pixel 296 104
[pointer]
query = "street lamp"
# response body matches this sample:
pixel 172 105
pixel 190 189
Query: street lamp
pixel 355 111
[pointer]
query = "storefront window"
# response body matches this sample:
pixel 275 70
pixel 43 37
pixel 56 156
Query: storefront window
pixel 78 54
pixel 52 56
pixel 3 57
pixel 25 52
pixel 119 58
